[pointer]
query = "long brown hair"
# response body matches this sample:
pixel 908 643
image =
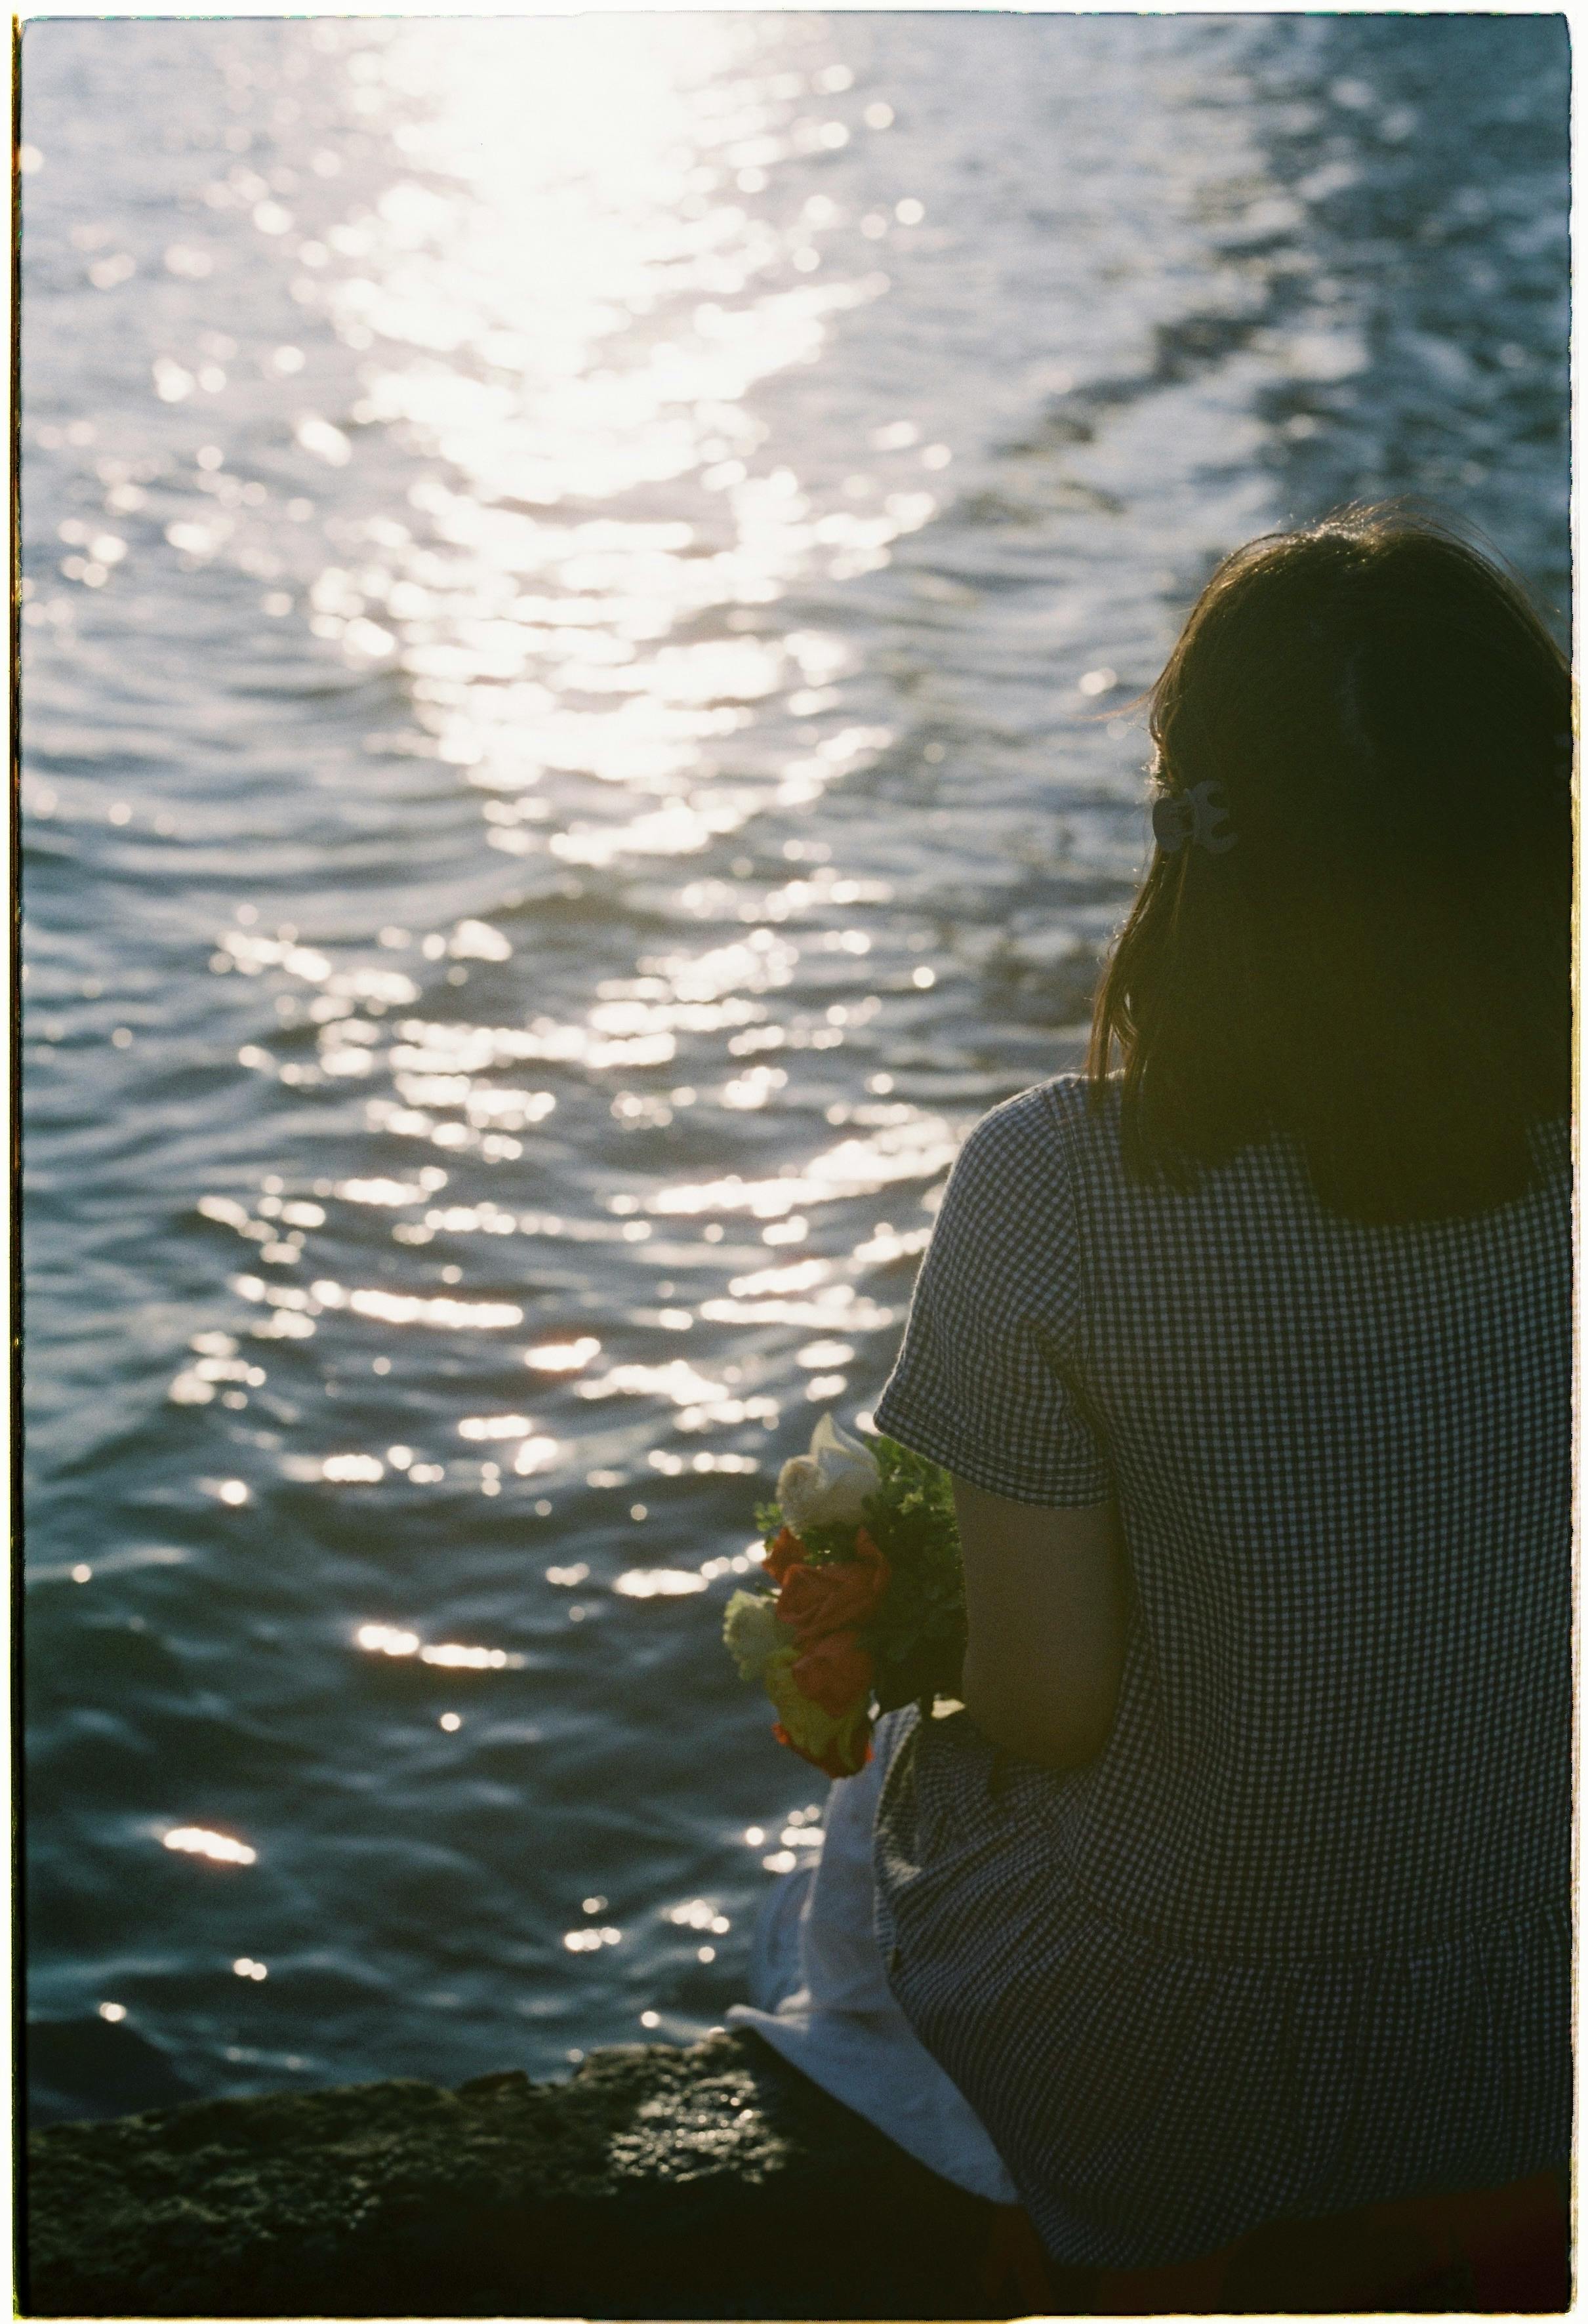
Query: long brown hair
pixel 1380 965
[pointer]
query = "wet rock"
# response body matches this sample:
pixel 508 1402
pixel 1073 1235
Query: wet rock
pixel 709 2182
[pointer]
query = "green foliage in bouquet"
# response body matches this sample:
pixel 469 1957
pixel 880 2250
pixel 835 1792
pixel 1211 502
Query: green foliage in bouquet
pixel 916 1634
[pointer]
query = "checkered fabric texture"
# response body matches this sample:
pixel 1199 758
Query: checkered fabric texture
pixel 1300 1938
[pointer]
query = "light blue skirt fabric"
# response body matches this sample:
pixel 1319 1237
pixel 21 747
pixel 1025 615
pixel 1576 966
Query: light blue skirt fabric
pixel 818 1995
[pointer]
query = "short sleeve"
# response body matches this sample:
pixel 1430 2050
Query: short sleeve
pixel 986 1383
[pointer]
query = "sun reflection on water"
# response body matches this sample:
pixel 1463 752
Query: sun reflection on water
pixel 568 305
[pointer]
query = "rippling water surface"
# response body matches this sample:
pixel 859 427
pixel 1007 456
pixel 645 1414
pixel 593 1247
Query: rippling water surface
pixel 585 580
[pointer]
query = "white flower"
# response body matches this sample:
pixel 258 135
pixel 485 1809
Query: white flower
pixel 829 1484
pixel 752 1631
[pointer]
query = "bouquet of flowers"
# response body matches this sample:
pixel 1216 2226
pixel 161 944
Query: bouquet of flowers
pixel 867 1608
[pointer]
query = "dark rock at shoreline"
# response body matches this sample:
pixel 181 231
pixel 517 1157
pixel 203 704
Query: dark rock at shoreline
pixel 710 2182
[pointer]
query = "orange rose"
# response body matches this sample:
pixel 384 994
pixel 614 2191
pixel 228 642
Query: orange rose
pixel 784 1549
pixel 838 1742
pixel 815 1599
pixel 837 1673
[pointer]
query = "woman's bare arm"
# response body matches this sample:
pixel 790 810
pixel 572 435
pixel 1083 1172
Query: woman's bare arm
pixel 1046 1596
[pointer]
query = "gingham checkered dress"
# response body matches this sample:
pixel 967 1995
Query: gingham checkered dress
pixel 1300 1938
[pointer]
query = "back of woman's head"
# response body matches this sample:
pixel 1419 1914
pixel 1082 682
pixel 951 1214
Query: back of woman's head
pixel 1380 964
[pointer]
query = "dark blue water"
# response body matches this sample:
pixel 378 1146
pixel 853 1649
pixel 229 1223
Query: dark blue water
pixel 584 581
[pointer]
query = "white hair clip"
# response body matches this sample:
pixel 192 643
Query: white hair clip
pixel 1196 815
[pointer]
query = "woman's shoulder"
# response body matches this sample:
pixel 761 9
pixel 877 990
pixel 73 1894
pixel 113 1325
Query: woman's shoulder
pixel 1551 1141
pixel 1049 1130
pixel 1020 1179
